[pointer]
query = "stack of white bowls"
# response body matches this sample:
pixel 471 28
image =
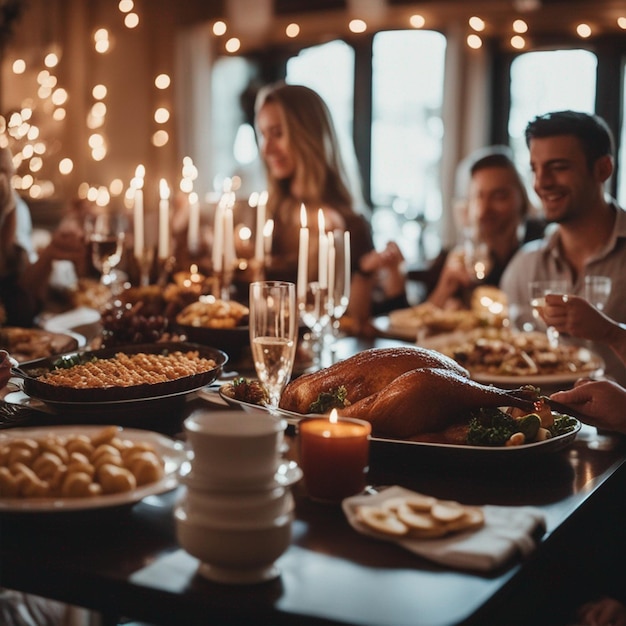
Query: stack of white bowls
pixel 236 514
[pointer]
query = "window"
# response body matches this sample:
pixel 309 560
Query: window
pixel 407 132
pixel 329 70
pixel 553 80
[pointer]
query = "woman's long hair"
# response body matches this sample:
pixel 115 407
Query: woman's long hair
pixel 319 168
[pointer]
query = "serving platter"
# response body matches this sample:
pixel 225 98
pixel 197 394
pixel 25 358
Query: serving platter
pixel 173 454
pixel 457 450
pixel 30 371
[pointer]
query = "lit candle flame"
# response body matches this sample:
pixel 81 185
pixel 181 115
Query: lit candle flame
pixel 164 189
pixel 303 215
pixel 333 417
pixel 320 221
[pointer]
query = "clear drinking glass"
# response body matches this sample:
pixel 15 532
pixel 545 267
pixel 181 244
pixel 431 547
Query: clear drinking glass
pixel 273 334
pixel 105 235
pixel 538 291
pixel 597 290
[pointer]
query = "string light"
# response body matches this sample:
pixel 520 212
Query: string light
pixel 233 45
pixel 131 20
pixel 357 26
pixel 474 41
pixel 518 42
pixel 292 30
pixel 476 23
pixel 417 21
pixel 520 26
pixel 584 30
pixel 219 28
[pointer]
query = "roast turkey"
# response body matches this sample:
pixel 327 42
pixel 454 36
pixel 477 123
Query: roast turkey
pixel 363 374
pixel 402 392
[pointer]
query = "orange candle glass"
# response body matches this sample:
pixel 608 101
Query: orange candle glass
pixel 334 456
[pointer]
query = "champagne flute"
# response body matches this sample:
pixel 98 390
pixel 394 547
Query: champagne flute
pixel 105 233
pixel 273 334
pixel 538 291
pixel 597 290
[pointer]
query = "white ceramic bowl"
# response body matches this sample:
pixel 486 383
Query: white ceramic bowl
pixel 235 448
pixel 234 554
pixel 242 510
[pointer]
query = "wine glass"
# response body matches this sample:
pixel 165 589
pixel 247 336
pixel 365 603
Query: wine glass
pixel 313 309
pixel 105 234
pixel 476 257
pixel 339 276
pixel 597 290
pixel 273 334
pixel 538 291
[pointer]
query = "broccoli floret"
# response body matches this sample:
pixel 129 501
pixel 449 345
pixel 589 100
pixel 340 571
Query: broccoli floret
pixel 336 398
pixel 490 427
pixel 562 424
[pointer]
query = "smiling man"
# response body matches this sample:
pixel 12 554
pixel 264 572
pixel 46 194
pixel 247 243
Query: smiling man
pixel 571 157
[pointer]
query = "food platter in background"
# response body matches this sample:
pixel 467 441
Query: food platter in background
pixel 25 344
pixel 488 310
pixel 501 356
pixel 218 323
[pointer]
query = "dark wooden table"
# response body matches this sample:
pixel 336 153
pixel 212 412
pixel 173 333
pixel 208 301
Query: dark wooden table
pixel 126 562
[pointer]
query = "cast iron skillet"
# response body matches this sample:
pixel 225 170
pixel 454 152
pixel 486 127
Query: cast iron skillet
pixel 31 370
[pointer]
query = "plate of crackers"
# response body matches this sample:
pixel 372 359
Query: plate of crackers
pixel 415 516
pixel 481 538
pixel 77 468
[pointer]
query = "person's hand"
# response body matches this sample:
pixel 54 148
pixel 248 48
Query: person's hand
pixel 603 612
pixel 575 316
pixel 454 276
pixel 68 243
pixel 389 263
pixel 5 368
pixel 602 402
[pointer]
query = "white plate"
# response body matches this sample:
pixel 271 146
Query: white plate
pixel 287 474
pixel 384 326
pixel 172 452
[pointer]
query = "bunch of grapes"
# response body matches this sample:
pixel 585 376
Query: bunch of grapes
pixel 124 324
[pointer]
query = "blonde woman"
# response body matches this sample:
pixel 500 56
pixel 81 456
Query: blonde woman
pixel 303 164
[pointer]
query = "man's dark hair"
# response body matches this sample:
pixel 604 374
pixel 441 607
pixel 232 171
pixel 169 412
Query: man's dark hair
pixel 591 130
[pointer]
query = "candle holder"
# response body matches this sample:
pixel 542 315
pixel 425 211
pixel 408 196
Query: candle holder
pixel 334 457
pixel 222 284
pixel 144 263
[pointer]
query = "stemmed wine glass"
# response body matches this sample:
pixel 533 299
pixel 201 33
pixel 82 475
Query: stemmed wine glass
pixel 313 309
pixel 105 234
pixel 597 290
pixel 538 292
pixel 273 334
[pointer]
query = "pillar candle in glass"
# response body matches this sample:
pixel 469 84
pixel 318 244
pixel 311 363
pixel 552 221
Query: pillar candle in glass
pixel 334 456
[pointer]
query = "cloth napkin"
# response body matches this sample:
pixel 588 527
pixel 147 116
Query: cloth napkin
pixel 508 531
